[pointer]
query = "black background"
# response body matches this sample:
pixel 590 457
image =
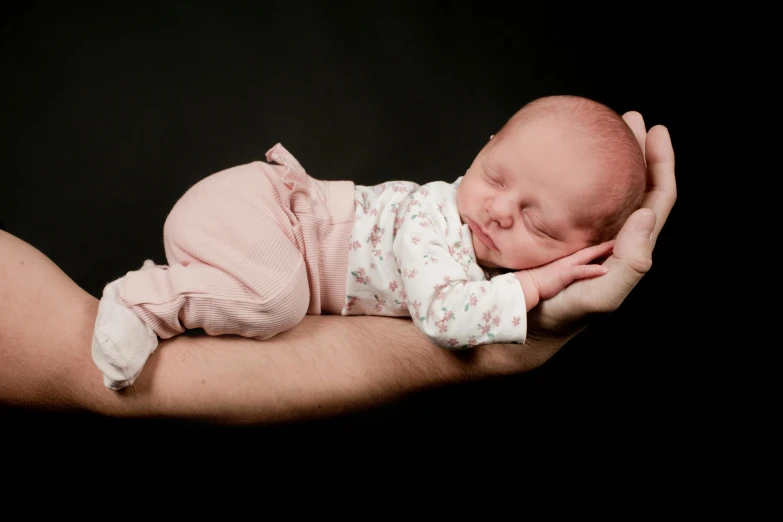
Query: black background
pixel 110 112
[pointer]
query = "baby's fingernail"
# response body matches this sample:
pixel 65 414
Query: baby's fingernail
pixel 645 224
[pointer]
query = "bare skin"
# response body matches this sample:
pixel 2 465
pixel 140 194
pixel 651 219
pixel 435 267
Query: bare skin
pixel 320 368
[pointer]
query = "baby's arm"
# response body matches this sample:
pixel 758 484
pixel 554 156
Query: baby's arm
pixel 451 305
pixel 546 281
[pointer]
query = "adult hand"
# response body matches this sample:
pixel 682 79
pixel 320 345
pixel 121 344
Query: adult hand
pixel 564 315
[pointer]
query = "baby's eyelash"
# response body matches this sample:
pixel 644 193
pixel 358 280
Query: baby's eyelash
pixel 492 178
pixel 532 225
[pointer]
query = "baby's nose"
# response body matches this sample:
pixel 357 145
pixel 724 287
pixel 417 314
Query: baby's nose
pixel 501 212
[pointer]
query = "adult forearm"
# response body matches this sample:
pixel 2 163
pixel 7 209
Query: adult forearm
pixel 324 366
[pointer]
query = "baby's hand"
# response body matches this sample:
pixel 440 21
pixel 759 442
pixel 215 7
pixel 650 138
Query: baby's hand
pixel 545 281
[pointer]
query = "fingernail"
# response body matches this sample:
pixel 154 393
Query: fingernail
pixel 645 224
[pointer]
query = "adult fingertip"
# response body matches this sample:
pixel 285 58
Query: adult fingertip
pixel 658 129
pixel 659 149
pixel 633 115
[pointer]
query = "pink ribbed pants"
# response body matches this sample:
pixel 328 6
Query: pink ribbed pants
pixel 250 251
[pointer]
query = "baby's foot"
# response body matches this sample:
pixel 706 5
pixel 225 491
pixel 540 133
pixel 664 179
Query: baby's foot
pixel 121 342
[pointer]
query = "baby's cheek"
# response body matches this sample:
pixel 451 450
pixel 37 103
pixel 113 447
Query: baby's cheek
pixel 484 256
pixel 524 256
pixel 460 198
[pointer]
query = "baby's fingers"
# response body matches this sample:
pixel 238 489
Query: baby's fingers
pixel 586 255
pixel 550 284
pixel 568 275
pixel 586 272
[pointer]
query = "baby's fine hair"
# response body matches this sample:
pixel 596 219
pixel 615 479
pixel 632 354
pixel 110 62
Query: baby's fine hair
pixel 611 138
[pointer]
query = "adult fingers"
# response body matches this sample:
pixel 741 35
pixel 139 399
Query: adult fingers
pixel 662 185
pixel 636 123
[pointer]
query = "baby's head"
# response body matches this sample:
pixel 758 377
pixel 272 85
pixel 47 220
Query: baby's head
pixel 564 173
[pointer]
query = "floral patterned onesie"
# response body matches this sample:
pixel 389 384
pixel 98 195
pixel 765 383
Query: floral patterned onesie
pixel 409 254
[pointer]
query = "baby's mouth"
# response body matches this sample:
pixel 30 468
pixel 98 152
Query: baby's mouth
pixel 484 238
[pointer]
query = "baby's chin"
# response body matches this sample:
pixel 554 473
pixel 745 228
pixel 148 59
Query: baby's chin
pixel 486 263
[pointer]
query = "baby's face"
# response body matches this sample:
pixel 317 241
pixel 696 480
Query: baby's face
pixel 525 193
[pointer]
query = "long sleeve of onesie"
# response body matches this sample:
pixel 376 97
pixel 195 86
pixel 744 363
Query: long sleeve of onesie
pixel 449 297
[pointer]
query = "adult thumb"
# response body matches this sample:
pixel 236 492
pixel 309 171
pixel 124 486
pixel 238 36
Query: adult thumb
pixel 634 244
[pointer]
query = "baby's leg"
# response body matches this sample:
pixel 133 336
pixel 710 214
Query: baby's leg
pixel 179 297
pixel 235 268
pixel 160 301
